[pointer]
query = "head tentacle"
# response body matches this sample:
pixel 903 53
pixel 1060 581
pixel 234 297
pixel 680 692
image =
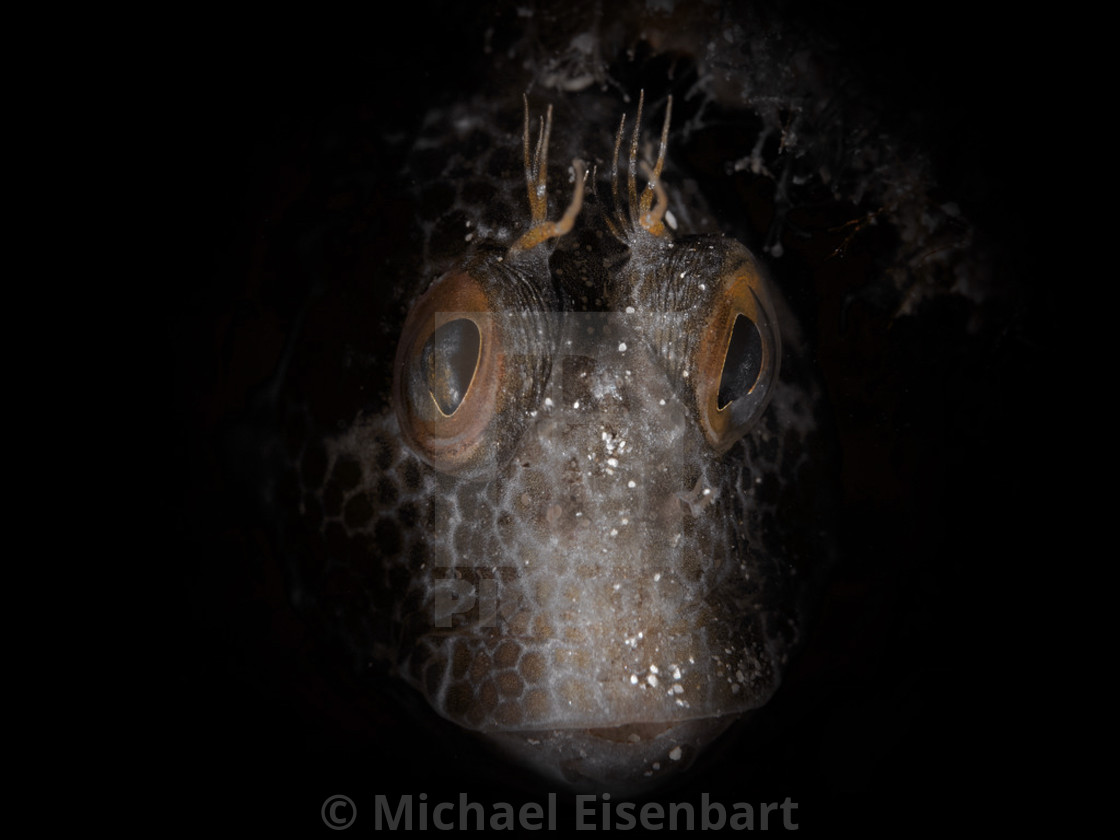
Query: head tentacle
pixel 641 211
pixel 536 181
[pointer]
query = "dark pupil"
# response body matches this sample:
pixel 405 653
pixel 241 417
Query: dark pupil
pixel 743 363
pixel 450 357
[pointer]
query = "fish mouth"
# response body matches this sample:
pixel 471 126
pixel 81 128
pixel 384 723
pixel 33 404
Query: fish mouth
pixel 627 760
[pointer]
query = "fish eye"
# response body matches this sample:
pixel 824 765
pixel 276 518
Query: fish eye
pixel 736 360
pixel 743 363
pixel 450 358
pixel 473 359
pixel 446 376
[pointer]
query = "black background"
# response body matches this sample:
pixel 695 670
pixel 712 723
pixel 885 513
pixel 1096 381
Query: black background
pixel 896 712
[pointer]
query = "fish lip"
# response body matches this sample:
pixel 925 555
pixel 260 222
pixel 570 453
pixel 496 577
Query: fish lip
pixel 630 759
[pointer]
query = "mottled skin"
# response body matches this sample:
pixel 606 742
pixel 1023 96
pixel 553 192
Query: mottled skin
pixel 610 590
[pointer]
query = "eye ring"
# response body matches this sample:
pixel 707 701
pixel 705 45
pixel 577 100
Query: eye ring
pixel 451 442
pixel 742 296
pixel 507 305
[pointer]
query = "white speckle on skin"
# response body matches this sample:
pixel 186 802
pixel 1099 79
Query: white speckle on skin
pixel 622 347
pixel 675 753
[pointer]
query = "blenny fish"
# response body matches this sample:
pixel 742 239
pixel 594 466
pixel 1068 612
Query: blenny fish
pixel 575 517
pixel 578 500
pixel 544 457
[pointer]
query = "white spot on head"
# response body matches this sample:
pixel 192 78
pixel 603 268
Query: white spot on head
pixel 675 753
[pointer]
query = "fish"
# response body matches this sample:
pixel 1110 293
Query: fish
pixel 575 518
pixel 514 593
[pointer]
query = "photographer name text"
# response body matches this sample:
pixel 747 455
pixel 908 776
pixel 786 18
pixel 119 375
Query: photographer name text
pixel 409 813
